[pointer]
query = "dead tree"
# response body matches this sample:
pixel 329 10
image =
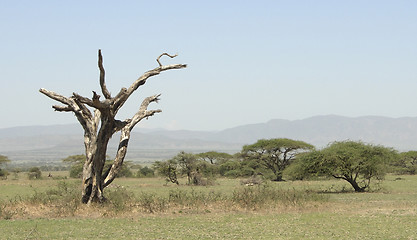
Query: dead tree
pixel 98 119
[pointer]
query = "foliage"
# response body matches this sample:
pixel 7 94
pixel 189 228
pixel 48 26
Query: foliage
pixel 76 171
pixel 406 163
pixel 167 169
pixel 188 165
pixel 355 162
pixel 275 154
pixel 34 173
pixel 76 162
pixel 214 157
pixel 145 172
pixel 230 168
pixel 3 159
pixel 119 199
pixel 198 172
pixel 3 173
pixel 74 159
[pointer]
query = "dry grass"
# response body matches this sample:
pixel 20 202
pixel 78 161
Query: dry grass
pixel 146 209
pixel 134 197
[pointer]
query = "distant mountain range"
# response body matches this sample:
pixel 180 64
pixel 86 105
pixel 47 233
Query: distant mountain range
pixel 52 143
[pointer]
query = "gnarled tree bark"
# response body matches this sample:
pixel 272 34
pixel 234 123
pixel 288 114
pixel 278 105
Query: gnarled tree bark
pixel 100 125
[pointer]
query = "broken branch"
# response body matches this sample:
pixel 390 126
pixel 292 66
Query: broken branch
pixel 63 108
pixel 103 86
pixel 165 54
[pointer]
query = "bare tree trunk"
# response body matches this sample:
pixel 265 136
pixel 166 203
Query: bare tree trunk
pixel 100 126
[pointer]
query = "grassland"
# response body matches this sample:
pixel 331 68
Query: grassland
pixel 332 211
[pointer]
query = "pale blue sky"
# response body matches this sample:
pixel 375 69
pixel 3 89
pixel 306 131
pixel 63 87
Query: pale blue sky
pixel 249 61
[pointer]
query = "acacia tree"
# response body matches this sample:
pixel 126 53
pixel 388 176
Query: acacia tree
pixel 355 162
pixel 214 157
pixel 407 161
pixel 98 119
pixel 275 154
pixel 187 163
pixel 167 169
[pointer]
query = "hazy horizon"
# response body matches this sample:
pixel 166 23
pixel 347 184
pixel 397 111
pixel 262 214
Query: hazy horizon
pixel 150 127
pixel 248 62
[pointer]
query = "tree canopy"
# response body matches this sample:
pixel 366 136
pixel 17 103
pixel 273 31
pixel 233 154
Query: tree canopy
pixel 4 159
pixel 214 157
pixel 407 162
pixel 355 162
pixel 275 154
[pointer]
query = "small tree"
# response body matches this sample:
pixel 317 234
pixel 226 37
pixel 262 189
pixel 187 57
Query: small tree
pixel 3 160
pixel 275 154
pixel 35 173
pixel 98 119
pixel 355 162
pixel 187 163
pixel 168 169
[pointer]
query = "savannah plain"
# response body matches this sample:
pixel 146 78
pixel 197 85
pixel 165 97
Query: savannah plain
pixel 149 208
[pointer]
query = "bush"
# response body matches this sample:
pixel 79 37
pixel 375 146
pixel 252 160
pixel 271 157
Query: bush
pixel 34 173
pixel 3 174
pixel 230 168
pixel 64 199
pixel 197 179
pixel 151 203
pixel 124 172
pixel 120 199
pixel 260 196
pixel 233 173
pixel 295 172
pixel 76 171
pixel 145 172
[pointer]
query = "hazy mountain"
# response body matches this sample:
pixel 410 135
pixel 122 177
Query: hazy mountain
pixel 52 143
pixel 400 133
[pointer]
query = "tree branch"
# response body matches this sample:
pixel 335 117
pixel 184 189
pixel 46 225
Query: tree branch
pixel 94 102
pixel 104 90
pixel 165 54
pixel 63 108
pixel 143 112
pixel 56 96
pixel 124 94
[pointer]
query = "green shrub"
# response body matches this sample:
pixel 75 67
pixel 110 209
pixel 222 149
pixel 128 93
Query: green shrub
pixel 120 199
pixel 145 172
pixel 3 174
pixel 233 173
pixel 76 171
pixel 34 173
